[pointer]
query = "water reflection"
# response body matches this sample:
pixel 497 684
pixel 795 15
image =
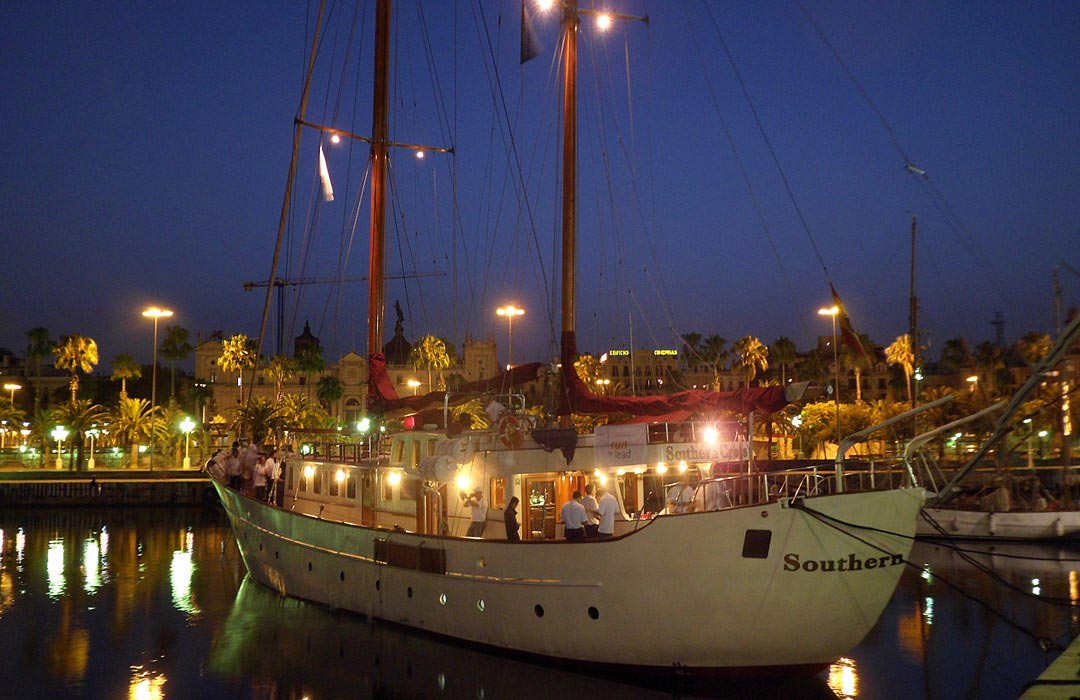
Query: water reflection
pixel 154 603
pixel 290 649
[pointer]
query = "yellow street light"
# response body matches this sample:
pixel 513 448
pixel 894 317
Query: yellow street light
pixel 510 311
pixel 415 384
pixel 12 387
pixel 186 426
pixel 59 433
pixel 156 314
pixel 833 311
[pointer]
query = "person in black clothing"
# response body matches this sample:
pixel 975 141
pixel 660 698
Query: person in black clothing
pixel 510 518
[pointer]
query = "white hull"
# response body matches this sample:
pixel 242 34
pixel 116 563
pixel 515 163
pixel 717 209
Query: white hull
pixel 677 594
pixel 979 525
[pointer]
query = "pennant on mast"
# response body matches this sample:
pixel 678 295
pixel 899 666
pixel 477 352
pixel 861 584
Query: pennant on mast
pixel 530 43
pixel 324 175
pixel 843 321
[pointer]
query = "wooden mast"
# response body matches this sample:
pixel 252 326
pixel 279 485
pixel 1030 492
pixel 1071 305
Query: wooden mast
pixel 913 320
pixel 569 185
pixel 379 166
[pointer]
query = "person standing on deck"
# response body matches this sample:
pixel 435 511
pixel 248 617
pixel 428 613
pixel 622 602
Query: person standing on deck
pixel 273 476
pixel 478 513
pixel 232 469
pixel 574 518
pixel 589 501
pixel 260 477
pixel 511 521
pixel 607 509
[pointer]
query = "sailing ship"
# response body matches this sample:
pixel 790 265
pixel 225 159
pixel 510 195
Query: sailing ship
pixel 769 573
pixel 996 515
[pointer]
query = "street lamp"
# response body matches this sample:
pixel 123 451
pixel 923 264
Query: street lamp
pixel 415 384
pixel 509 311
pixel 154 313
pixel 186 425
pixel 91 433
pixel 59 433
pixel 973 380
pixel 12 387
pixel 833 311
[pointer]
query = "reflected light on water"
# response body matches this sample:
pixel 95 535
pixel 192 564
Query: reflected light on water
pixel 91 566
pixel 844 679
pixel 928 610
pixel 145 686
pixel 927 574
pixel 20 545
pixel 104 539
pixel 54 568
pixel 1036 587
pixel 181 570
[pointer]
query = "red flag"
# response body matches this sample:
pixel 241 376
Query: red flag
pixel 850 337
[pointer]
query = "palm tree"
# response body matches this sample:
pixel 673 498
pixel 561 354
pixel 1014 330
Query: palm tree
pixel 259 414
pixel 474 409
pixel 858 362
pixel 237 354
pixel 691 350
pixel 280 369
pixel 589 369
pixel 175 347
pixel 200 394
pixel 752 355
pixel 124 368
pixel 131 421
pixel 76 353
pixel 329 392
pixel 715 354
pixel 296 411
pixel 990 361
pixel 310 361
pixel 783 353
pixel 39 346
pixel 430 353
pixel 1034 347
pixel 955 354
pixel 79 416
pixel 899 353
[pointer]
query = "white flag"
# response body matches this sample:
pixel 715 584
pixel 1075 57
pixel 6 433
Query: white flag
pixel 324 175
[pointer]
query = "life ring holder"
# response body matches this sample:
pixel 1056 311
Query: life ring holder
pixel 511 429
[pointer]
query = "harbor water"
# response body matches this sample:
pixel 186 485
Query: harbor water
pixel 155 603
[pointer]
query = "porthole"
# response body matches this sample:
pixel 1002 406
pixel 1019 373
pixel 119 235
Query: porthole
pixel 481 562
pixel 342 575
pixel 594 613
pixel 276 555
pixel 539 609
pixel 408 591
pixel 442 599
pixel 260 546
pixel 377 584
pixel 309 566
pixel 480 605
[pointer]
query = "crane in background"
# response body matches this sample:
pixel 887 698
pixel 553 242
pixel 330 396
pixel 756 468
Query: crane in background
pixel 280 284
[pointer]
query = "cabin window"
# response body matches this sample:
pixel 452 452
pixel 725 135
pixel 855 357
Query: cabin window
pixel 431 447
pixel 303 483
pixel 350 486
pixel 415 455
pixel 387 489
pixel 333 486
pixel 316 482
pixel 399 451
pixel 630 492
pixel 498 493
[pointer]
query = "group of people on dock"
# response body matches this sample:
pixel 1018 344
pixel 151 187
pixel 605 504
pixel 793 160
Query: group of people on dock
pixel 254 472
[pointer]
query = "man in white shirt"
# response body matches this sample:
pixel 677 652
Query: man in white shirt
pixel 273 473
pixel 478 514
pixel 589 501
pixel 607 509
pixel 574 518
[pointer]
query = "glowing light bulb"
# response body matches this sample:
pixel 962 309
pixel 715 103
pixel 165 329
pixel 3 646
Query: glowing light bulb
pixel 603 22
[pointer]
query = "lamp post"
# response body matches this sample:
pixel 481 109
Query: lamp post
pixel 187 425
pixel 59 433
pixel 415 384
pixel 12 387
pixel 91 433
pixel 509 311
pixel 832 311
pixel 154 313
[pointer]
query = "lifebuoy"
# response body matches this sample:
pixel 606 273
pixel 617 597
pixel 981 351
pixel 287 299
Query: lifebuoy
pixel 510 429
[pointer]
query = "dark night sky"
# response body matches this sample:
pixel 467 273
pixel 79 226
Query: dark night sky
pixel 146 147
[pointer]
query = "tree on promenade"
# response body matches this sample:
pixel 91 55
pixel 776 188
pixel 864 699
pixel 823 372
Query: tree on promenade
pixel 124 368
pixel 900 353
pixel 175 348
pixel 237 354
pixel 76 353
pixel 133 420
pixel 329 391
pixel 310 361
pixel 280 369
pixel 783 353
pixel 752 355
pixel 430 353
pixel 857 362
pixel 715 354
pixel 79 416
pixel 1034 346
